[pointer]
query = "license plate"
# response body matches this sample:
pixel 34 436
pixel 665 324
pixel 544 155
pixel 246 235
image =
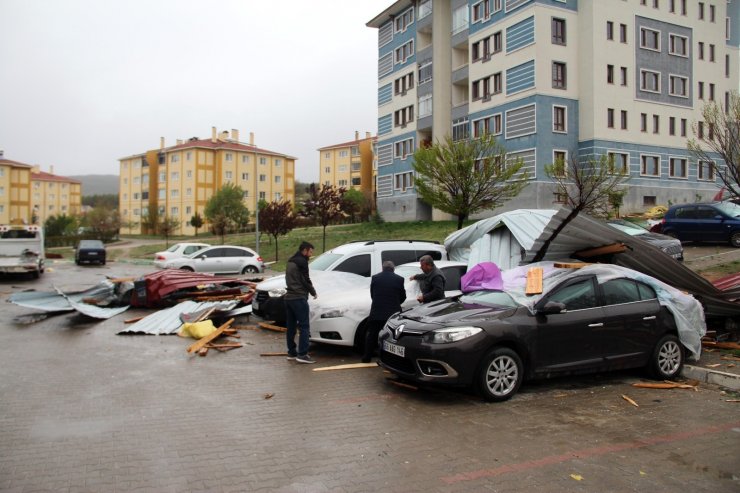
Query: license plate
pixel 92 253
pixel 255 305
pixel 394 349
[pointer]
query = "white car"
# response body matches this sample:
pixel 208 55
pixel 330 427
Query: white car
pixel 178 250
pixel 339 317
pixel 220 259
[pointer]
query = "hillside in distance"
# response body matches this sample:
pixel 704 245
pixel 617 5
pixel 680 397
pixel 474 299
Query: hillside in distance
pixel 97 184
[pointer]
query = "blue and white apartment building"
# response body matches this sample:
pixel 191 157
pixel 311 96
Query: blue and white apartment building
pixel 622 78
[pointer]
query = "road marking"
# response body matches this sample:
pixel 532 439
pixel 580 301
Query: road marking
pixel 585 454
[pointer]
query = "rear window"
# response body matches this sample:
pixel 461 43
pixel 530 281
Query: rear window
pixel 91 244
pixel 435 254
pixel 359 264
pixel 19 234
pixel 399 257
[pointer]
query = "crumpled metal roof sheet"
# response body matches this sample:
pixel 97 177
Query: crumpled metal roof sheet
pixel 66 302
pixel 167 321
pixel 161 283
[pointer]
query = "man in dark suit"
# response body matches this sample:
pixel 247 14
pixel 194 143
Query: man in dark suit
pixel 387 293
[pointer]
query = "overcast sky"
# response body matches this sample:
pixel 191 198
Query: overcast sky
pixel 86 82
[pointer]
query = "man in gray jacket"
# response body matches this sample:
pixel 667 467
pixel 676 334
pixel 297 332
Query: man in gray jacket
pixel 296 303
pixel 431 281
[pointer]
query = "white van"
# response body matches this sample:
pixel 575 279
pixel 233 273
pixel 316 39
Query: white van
pixel 364 258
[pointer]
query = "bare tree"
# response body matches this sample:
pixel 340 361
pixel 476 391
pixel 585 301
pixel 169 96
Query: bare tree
pixel 276 219
pixel 466 176
pixel 718 134
pixel 325 205
pixel 584 186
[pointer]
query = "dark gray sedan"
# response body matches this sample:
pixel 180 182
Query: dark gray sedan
pixel 584 322
pixel 90 251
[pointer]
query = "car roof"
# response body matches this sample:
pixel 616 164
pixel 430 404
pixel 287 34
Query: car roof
pixel 369 245
pixel 438 263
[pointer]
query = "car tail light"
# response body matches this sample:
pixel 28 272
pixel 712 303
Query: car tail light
pixel 159 257
pixel 259 259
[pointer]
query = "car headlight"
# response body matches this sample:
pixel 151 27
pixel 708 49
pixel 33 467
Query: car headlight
pixel 277 292
pixel 333 313
pixel 452 334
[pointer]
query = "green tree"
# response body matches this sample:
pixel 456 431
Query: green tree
pixel 168 225
pixel 718 133
pixel 276 219
pixel 467 176
pixel 61 225
pixel 103 223
pixel 325 205
pixel 106 201
pixel 353 202
pixel 226 211
pixel 197 222
pixel 584 186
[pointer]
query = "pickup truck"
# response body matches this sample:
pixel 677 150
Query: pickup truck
pixel 22 249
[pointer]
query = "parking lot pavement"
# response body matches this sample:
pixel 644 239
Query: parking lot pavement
pixel 83 409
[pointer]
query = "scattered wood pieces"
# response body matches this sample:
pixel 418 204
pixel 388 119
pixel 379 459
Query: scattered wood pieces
pixel 350 366
pixel 730 358
pixel 732 400
pixel 224 345
pixel 276 328
pixel 200 343
pixel 269 395
pixel 244 327
pixel 534 280
pixel 401 384
pixel 116 280
pixel 203 351
pixel 569 265
pixel 630 400
pixel 713 365
pixel 664 385
pixel 720 345
pixel 132 320
pixel 273 354
pixel 604 250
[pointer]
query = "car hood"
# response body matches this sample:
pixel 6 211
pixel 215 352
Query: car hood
pixel 453 312
pixel 658 239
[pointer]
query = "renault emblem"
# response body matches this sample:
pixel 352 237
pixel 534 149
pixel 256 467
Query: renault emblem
pixel 399 330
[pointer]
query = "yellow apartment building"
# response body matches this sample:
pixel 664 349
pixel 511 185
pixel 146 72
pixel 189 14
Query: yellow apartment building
pixel 54 195
pixel 178 180
pixel 349 164
pixel 15 184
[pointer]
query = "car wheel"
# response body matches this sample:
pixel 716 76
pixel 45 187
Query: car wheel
pixel 667 359
pixel 500 375
pixel 189 269
pixel 735 239
pixel 250 269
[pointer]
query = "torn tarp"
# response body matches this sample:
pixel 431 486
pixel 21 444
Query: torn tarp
pixel 167 321
pixel 103 300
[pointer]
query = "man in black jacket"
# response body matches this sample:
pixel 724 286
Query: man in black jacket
pixel 387 293
pixel 296 303
pixel 431 281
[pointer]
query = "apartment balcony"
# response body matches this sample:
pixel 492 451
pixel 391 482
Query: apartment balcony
pixel 459 111
pixel 424 124
pixel 460 76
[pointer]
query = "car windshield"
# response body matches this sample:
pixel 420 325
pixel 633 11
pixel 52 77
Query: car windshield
pixel 489 298
pixel 627 227
pixel 324 261
pixel 732 210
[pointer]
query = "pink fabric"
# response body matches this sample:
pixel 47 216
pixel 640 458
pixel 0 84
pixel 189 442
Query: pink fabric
pixel 485 275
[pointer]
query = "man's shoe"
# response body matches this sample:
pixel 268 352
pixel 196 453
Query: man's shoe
pixel 306 359
pixel 290 358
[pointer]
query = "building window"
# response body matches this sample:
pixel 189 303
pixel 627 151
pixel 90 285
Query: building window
pixel 189 192
pixel 712 13
pixel 278 162
pixel 404 116
pixel 174 176
pixel 174 158
pixel 425 72
pixel 327 169
pixel 649 81
pixel 672 125
pixel 656 124
pixel 482 11
pixel 263 195
pixel 711 52
pixel 705 171
pixel 623 120
pixel 174 194
pixel 700 90
pixel 245 176
pixel 228 157
pixel 558 75
pixel 610 74
pixel 228 175
pixel 188 210
pixel 701 11
pixel 618 163
pixel 711 91
pixel 649 39
pixel 460 129
pixel 404 181
pixel 403 20
pixel 649 165
pixel 559 123
pixel 175 212
pixel 623 33
pixel 404 52
pixel 677 168
pixel 683 127
pixel 558 31
pixel 342 183
pixel 343 153
pixel 403 149
pixel 623 74
pixel 678 86
pixel 263 160
pixel 700 49
pixel 643 122
pixel 263 178
pixel 609 30
pixel 277 179
pixel 678 45
pixel 425 105
pixel 401 85
pixel 610 117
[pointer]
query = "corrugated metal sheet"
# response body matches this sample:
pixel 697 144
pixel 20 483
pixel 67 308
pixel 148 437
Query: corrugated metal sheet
pixel 167 321
pixel 58 301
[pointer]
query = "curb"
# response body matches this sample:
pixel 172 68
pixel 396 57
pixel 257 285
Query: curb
pixel 704 375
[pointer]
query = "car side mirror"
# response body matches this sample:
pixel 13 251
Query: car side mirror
pixel 551 308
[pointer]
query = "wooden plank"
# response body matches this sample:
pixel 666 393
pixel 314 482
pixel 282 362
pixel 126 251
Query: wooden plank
pixel 275 328
pixel 273 354
pixel 224 344
pixel 132 320
pixel 350 366
pixel 534 280
pixel 200 343
pixel 605 250
pixel 630 400
pixel 721 345
pixel 203 351
pixel 663 385
pixel 570 265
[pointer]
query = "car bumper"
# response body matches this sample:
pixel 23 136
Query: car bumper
pixel 91 258
pixel 452 364
pixel 338 331
pixel 269 308
pixel 20 268
pixel 160 264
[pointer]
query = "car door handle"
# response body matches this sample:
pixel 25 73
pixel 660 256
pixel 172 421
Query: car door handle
pixel 595 325
pixel 649 318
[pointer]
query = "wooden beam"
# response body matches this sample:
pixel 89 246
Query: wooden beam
pixel 273 354
pixel 534 280
pixel 132 320
pixel 200 343
pixel 595 252
pixel 275 328
pixel 350 366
